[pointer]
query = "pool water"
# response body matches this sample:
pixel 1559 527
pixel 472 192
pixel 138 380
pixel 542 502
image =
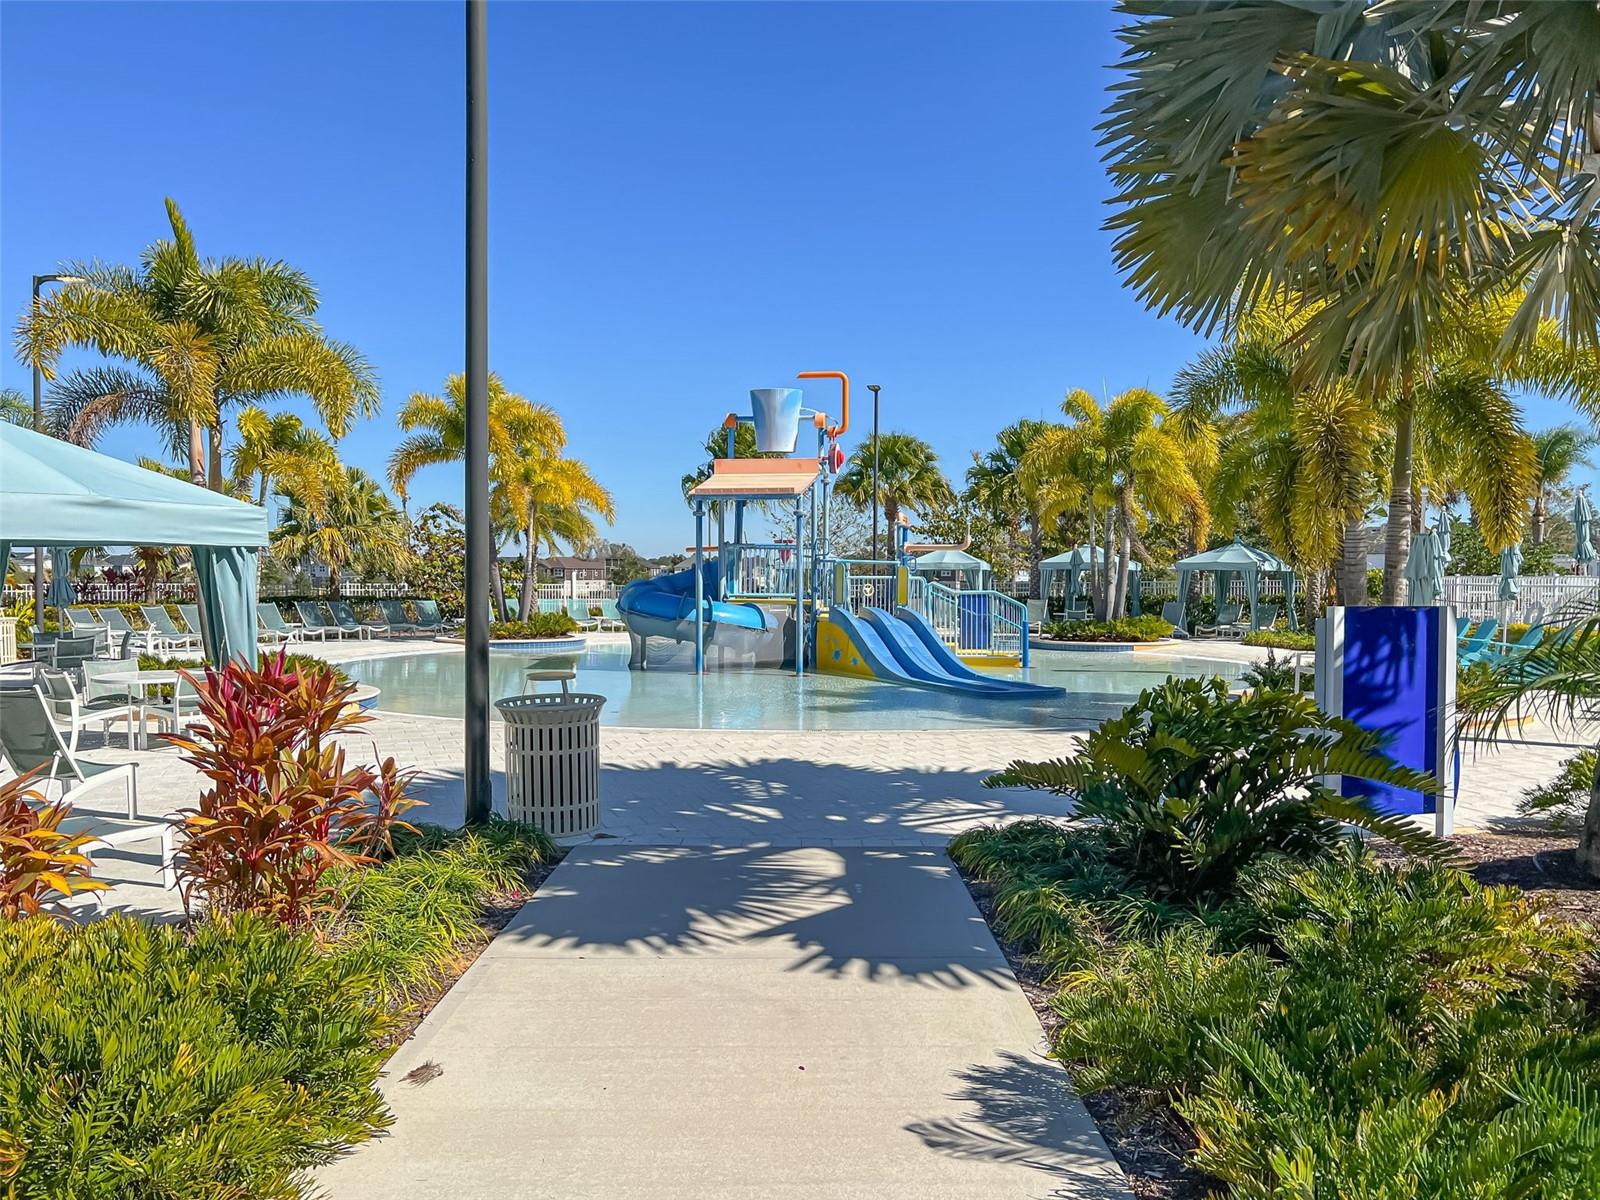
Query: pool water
pixel 669 695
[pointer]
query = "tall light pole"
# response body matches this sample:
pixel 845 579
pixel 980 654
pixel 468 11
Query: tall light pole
pixel 38 427
pixel 478 798
pixel 873 388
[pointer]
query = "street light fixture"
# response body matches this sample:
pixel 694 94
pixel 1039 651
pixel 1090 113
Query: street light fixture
pixel 38 427
pixel 873 388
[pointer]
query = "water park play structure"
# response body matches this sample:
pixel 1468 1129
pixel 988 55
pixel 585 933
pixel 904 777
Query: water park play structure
pixel 792 603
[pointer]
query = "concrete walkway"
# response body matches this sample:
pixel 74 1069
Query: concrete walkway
pixel 680 1022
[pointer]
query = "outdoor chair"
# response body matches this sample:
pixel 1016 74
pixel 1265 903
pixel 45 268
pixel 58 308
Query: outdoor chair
pixel 578 610
pixel 164 631
pixel 1268 616
pixel 394 612
pixel 1462 625
pixel 1170 612
pixel 344 616
pixel 430 619
pixel 311 622
pixel 83 622
pixel 611 616
pixel 1478 647
pixel 122 631
pixel 70 653
pixel 191 618
pixel 270 626
pixel 116 681
pixel 1226 622
pixel 29 740
pixel 549 607
pixel 71 713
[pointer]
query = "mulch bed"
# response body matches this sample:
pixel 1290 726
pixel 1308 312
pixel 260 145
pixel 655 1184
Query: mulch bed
pixel 497 913
pixel 1150 1143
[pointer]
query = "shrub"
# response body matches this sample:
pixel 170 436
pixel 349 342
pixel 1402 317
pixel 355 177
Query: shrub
pixel 1280 639
pixel 1191 785
pixel 1275 675
pixel 1565 798
pixel 283 807
pixel 39 863
pixel 138 1061
pixel 539 625
pixel 1147 628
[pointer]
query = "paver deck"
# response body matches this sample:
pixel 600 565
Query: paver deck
pixel 671 1022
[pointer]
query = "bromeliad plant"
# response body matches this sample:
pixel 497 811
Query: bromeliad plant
pixel 39 863
pixel 284 806
pixel 1190 785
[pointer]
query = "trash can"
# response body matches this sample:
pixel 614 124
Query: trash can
pixel 553 761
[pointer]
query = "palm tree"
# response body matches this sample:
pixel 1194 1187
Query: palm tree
pixel 556 497
pixel 517 427
pixel 1377 159
pixel 995 483
pixel 1557 453
pixel 1127 460
pixel 277 450
pixel 356 526
pixel 15 408
pixel 195 337
pixel 908 477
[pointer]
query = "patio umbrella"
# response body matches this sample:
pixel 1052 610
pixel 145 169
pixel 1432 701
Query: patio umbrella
pixel 1510 568
pixel 60 594
pixel 1425 568
pixel 1582 519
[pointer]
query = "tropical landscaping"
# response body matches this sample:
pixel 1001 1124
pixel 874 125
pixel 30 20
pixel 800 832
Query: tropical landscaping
pixel 1265 982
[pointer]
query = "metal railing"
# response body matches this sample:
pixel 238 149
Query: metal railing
pixel 762 570
pixel 865 583
pixel 973 621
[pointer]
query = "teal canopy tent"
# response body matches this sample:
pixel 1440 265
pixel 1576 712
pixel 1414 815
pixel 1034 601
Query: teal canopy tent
pixel 1077 563
pixel 1247 562
pixel 53 493
pixel 972 571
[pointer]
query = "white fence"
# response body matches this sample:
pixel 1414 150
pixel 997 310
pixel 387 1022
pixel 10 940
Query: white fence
pixel 183 593
pixel 1478 596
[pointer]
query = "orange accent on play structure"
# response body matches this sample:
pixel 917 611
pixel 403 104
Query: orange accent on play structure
pixel 757 477
pixel 844 402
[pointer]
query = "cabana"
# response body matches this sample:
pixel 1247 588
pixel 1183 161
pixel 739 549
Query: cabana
pixel 973 571
pixel 1250 564
pixel 1078 562
pixel 53 493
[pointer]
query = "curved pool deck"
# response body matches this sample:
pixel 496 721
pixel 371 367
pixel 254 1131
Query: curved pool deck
pixel 428 680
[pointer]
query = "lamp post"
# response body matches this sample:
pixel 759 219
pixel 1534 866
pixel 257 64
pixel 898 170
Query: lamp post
pixel 477 799
pixel 38 427
pixel 873 388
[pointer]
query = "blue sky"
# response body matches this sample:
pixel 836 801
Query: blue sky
pixel 687 201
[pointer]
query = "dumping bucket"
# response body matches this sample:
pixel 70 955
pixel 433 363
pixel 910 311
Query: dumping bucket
pixel 777 416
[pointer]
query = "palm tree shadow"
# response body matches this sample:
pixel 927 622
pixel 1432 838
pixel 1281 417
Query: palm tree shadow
pixel 1023 1112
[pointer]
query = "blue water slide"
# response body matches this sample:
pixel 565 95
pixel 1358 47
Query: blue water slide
pixel 922 653
pixel 669 599
pixel 892 660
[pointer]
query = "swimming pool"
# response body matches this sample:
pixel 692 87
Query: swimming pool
pixel 670 696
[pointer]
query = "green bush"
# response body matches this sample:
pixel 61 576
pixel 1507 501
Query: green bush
pixel 138 1061
pixel 1280 639
pixel 1146 628
pixel 1190 785
pixel 1565 799
pixel 539 625
pixel 1276 675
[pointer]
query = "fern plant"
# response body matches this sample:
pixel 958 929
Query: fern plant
pixel 1191 785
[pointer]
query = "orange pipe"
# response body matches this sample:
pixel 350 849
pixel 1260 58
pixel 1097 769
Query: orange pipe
pixel 844 384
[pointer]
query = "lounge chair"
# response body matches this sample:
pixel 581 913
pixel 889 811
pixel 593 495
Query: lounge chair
pixel 1227 621
pixel 1170 612
pixel 551 606
pixel 165 632
pixel 578 610
pixel 311 622
pixel 611 615
pixel 270 625
pixel 84 623
pixel 1477 647
pixel 1530 640
pixel 71 713
pixel 29 740
pixel 430 619
pixel 394 612
pixel 1462 625
pixel 123 632
pixel 1268 616
pixel 191 618
pixel 344 616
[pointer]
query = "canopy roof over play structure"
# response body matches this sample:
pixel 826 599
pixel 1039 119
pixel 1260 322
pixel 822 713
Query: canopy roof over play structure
pixel 970 567
pixel 1073 565
pixel 53 493
pixel 757 478
pixel 1250 564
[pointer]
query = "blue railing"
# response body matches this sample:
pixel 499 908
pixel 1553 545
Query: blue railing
pixel 863 583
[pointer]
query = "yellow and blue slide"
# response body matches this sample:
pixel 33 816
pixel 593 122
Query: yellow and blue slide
pixel 901 647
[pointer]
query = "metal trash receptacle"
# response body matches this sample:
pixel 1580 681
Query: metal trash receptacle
pixel 553 761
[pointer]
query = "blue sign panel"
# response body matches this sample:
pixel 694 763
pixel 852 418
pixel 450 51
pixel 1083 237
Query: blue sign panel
pixel 1393 684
